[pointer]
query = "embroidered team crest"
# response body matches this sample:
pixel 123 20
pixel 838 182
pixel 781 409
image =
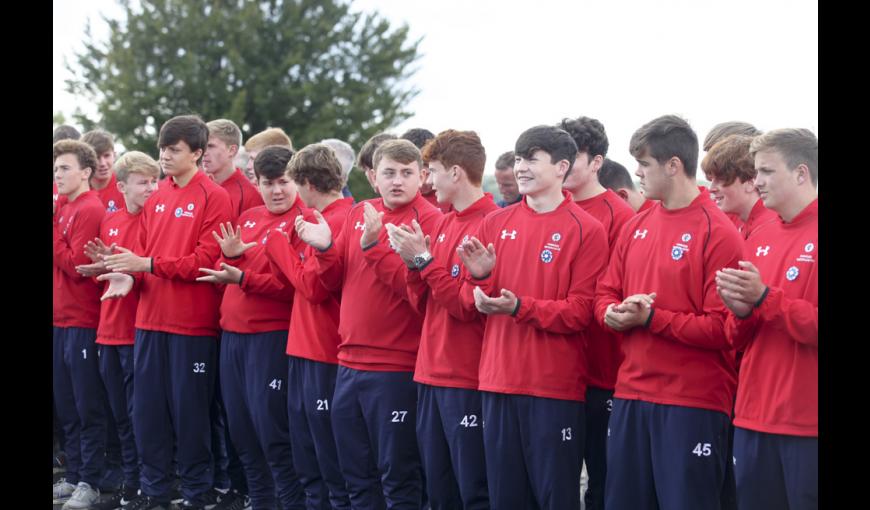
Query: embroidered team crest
pixel 178 212
pixel 111 207
pixel 454 271
pixel 686 237
pixel 676 253
pixel 556 237
pixel 190 206
pixel 809 247
pixel 546 256
pixel 792 273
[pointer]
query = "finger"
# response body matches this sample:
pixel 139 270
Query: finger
pixel 208 271
pixel 223 230
pixel 748 266
pixel 250 245
pixel 508 294
pixel 238 232
pixel 320 218
pixel 428 242
pixel 490 249
pixel 216 237
pixel 207 279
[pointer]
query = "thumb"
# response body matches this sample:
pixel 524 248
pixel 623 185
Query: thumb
pixel 428 240
pixel 121 249
pixel 652 295
pixel 506 293
pixel 749 266
pixel 320 218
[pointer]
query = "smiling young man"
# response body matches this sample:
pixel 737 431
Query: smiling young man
pixel 78 391
pixel 313 339
pixel 254 324
pixel 603 352
pixel 667 437
pixel 137 179
pixel 449 415
pixel 104 181
pixel 224 140
pixel 175 343
pixel 374 406
pixel 731 172
pixel 774 302
pixel 538 299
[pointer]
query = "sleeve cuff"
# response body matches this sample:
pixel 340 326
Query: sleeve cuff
pixel 370 246
pixel 649 319
pixel 331 243
pixel 516 308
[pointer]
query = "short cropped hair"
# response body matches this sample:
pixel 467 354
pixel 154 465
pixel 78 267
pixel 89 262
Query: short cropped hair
pixel 101 141
pixel 400 150
pixel 135 162
pixel 418 136
pixel 364 159
pixel 318 164
pixel 271 162
pixel 267 137
pixel 505 161
pixel 729 160
pixel 588 134
pixel 613 176
pixel 550 139
pixel 724 129
pixel 344 153
pixel 83 152
pixel 188 128
pixel 796 146
pixel 65 132
pixel 463 148
pixel 666 137
pixel 226 131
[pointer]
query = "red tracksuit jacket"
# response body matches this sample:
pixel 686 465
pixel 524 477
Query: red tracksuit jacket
pixel 118 316
pixel 779 378
pixel 452 335
pixel 379 328
pixel 314 319
pixel 758 216
pixel 682 357
pixel 243 194
pixel 176 231
pixel 551 262
pixel 112 199
pixel 76 298
pixel 603 351
pixel 263 299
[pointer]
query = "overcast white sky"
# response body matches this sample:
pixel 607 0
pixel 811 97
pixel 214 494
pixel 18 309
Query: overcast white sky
pixel 500 67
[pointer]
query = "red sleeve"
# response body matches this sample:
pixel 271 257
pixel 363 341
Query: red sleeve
pixel 71 253
pixel 574 313
pixel 609 288
pixel 448 292
pixel 799 318
pixel 389 268
pixel 267 284
pixel 418 291
pixel 207 250
pixel 301 274
pixel 706 329
pixel 329 263
pixel 741 331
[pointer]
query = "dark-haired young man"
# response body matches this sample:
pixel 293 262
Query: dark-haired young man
pixel 615 177
pixel 104 181
pixel 177 318
pixel 254 332
pixel 667 437
pixel 449 417
pixel 603 353
pixel 78 393
pixel 538 298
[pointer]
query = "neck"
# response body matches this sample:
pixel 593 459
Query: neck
pixel 84 188
pixel 183 179
pixel 681 194
pixel 793 208
pixel 589 191
pixel 465 196
pixel 746 210
pixel 546 200
pixel 223 174
pixel 131 207
pixel 322 201
pixel 98 184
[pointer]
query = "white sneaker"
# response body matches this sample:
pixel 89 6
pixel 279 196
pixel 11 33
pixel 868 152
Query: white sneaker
pixel 83 497
pixel 62 490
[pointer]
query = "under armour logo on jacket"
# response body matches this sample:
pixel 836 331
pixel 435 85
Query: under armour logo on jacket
pixel 250 224
pixel 113 232
pixel 642 235
pixel 160 208
pixel 505 234
pixel 762 251
pixel 441 238
pixel 359 226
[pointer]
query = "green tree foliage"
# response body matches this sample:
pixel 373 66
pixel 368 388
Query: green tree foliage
pixel 311 67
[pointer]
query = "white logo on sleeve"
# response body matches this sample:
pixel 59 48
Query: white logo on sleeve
pixel 359 226
pixel 809 247
pixel 638 233
pixel 505 234
pixel 113 232
pixel 282 225
pixel 160 208
pixel 250 224
pixel 759 252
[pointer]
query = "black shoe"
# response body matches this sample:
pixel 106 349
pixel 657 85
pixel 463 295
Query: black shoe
pixel 233 501
pixel 120 499
pixel 143 502
pixel 187 505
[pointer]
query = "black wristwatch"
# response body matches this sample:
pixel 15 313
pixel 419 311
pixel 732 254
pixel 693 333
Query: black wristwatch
pixel 422 259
